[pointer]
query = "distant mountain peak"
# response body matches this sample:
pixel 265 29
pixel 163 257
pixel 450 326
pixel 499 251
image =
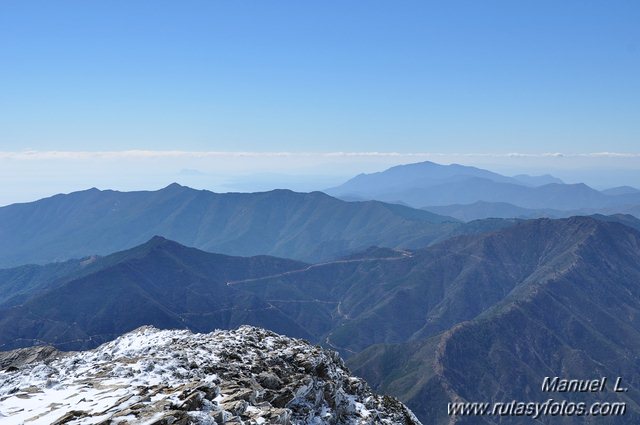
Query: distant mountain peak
pixel 421 164
pixel 427 184
pixel 534 181
pixel 157 240
pixel 155 244
pixel 418 175
pixel 175 186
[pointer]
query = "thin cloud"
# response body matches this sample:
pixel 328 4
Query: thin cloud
pixel 34 155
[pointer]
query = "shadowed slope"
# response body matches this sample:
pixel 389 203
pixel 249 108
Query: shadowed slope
pixel 160 283
pixel 575 316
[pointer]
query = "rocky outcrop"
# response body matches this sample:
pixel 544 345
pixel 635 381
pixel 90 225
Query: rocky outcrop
pixel 13 360
pixel 246 376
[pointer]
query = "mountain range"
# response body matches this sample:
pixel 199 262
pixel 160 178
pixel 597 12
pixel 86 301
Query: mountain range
pixel 309 227
pixel 473 193
pixel 482 210
pixel 471 297
pixel 476 317
pixel 304 226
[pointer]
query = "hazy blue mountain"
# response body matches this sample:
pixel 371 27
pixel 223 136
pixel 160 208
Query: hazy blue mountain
pixel 427 184
pixel 626 219
pixel 484 210
pixel 633 210
pixel 409 176
pixel 551 196
pixel 537 180
pixel 306 226
pixel 481 210
pixel 621 190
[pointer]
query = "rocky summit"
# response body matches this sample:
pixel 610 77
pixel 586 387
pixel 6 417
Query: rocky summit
pixel 158 377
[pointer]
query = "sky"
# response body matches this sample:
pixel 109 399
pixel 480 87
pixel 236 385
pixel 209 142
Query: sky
pixel 244 95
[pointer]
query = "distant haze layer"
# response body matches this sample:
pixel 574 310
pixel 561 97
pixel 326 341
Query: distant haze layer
pixel 30 175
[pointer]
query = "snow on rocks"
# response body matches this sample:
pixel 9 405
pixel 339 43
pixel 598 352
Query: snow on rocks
pixel 162 377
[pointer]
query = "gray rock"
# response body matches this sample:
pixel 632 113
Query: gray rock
pixel 248 376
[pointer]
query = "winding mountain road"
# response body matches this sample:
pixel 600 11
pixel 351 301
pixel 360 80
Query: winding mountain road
pixel 403 254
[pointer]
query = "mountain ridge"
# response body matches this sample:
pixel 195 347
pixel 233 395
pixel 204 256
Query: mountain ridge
pixel 430 185
pixel 567 321
pixel 159 282
pixel 426 325
pixel 305 226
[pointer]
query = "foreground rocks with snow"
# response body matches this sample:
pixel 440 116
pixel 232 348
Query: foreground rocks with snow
pixel 151 376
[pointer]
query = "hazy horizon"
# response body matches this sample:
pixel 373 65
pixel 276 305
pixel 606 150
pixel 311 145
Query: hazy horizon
pixel 31 175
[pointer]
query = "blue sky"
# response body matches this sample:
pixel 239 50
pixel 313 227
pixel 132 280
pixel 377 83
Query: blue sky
pixel 320 76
